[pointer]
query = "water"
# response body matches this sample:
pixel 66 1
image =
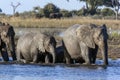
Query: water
pixel 36 72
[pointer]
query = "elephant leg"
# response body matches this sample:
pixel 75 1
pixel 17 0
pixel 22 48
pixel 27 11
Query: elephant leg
pixel 23 61
pixel 85 53
pixel 34 59
pixel 47 58
pixel 20 57
pixel 93 54
pixel 13 55
pixel 87 57
pixel 4 54
pixel 94 59
pixel 67 57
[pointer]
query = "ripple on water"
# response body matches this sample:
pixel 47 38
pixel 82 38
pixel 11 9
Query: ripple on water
pixel 34 72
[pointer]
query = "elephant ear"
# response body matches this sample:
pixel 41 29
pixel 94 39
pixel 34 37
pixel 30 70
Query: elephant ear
pixel 39 42
pixel 41 46
pixel 46 43
pixel 85 34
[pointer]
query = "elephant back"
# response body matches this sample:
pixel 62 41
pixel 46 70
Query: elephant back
pixel 71 30
pixel 71 43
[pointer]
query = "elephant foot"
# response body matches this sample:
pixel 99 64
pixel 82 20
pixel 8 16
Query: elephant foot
pixel 68 61
pixel 86 63
pixel 93 64
pixel 22 61
pixel 15 61
pixel 32 62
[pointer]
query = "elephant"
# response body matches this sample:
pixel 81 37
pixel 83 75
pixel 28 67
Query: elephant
pixel 55 15
pixel 83 42
pixel 7 43
pixel 33 47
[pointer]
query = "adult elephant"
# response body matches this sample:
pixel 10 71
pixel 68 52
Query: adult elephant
pixel 7 34
pixel 83 41
pixel 32 46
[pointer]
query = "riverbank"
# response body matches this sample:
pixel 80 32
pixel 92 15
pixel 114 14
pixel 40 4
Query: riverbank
pixel 62 23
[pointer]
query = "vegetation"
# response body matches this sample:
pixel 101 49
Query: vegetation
pixel 107 12
pixel 63 23
pixel 90 9
pixel 92 5
pixel 40 17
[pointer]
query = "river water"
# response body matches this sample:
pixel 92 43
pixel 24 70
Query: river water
pixel 58 72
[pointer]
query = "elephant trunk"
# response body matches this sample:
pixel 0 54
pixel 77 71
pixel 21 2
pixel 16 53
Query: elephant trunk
pixel 104 51
pixel 11 47
pixel 53 57
pixel 53 52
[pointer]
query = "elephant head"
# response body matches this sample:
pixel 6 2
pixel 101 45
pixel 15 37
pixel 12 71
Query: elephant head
pixel 46 44
pixel 50 47
pixel 93 36
pixel 7 36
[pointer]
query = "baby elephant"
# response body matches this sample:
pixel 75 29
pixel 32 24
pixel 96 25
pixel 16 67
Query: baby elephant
pixel 31 45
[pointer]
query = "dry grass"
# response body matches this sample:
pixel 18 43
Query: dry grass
pixel 63 23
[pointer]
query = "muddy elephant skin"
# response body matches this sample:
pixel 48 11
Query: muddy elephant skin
pixel 7 35
pixel 32 46
pixel 83 41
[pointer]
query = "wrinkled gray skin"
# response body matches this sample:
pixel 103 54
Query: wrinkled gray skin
pixel 83 41
pixel 7 34
pixel 31 45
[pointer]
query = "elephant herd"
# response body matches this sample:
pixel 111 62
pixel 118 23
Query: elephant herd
pixel 80 44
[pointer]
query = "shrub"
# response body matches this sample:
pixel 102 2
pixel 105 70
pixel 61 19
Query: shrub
pixel 107 12
pixel 50 8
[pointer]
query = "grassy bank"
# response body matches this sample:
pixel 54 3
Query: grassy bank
pixel 32 22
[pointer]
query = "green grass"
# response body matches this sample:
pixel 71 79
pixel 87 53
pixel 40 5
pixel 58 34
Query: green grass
pixel 115 34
